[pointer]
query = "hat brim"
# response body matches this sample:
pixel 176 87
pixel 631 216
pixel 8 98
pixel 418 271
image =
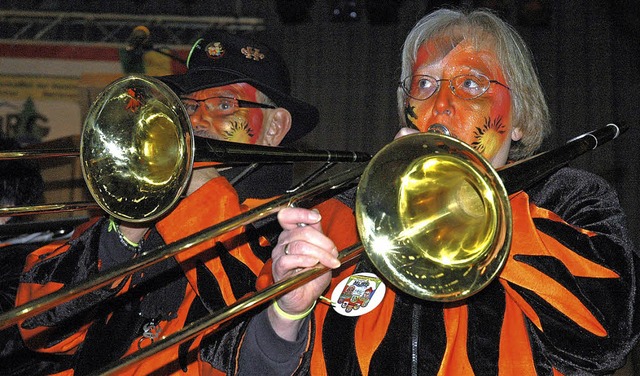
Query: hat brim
pixel 304 117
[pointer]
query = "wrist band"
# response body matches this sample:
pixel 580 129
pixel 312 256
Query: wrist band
pixel 326 300
pixel 289 316
pixel 113 226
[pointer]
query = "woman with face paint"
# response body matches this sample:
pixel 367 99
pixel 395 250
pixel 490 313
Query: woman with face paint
pixel 563 303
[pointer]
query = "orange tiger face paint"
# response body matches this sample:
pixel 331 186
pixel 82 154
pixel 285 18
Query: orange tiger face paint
pixel 244 126
pixel 483 122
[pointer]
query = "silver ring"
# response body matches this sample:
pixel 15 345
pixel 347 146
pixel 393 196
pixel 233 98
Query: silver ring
pixel 286 249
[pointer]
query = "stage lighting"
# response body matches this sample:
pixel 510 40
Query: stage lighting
pixel 345 11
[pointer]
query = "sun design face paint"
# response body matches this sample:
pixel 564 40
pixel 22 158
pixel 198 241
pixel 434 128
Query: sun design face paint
pixel 483 122
pixel 490 137
pixel 239 132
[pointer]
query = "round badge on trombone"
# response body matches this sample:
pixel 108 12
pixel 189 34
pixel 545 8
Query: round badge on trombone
pixel 358 294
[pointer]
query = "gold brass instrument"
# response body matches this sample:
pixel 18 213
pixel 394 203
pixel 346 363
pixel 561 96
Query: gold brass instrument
pixel 433 216
pixel 137 152
pixel 510 178
pixel 136 149
pixel 440 228
pixel 467 196
pixel 132 147
pixel 447 231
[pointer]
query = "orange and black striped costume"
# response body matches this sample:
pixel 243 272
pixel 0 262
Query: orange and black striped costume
pixel 563 304
pixel 179 290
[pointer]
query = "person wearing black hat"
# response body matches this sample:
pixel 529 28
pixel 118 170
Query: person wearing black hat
pixel 223 65
pixel 235 89
pixel 239 90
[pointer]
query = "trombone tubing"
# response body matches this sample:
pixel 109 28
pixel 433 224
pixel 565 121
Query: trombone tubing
pixel 210 150
pixel 151 257
pixel 233 310
pixel 207 150
pixel 47 208
pixel 36 154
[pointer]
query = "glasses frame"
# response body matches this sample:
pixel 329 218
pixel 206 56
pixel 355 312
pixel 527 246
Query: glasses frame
pixel 407 90
pixel 241 103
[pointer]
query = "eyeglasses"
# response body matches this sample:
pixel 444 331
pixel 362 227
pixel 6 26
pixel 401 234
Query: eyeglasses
pixel 465 86
pixel 220 105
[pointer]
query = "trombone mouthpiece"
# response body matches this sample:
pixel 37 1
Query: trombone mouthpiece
pixel 439 128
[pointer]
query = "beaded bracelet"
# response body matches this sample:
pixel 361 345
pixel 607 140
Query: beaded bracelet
pixel 113 226
pixel 289 316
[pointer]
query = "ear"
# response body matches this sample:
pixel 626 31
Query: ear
pixel 279 125
pixel 516 134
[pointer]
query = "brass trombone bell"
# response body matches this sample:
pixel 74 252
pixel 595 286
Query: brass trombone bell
pixel 434 217
pixel 137 149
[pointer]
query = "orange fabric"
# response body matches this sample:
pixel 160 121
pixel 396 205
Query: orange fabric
pixel 534 243
pixel 63 373
pixel 515 353
pixel 339 224
pixel 33 338
pixel 251 203
pixel 214 202
pixel 170 355
pixel 265 278
pixel 516 356
pixel 542 213
pixel 522 304
pixel 456 360
pixel 205 164
pixel 318 366
pixel 84 227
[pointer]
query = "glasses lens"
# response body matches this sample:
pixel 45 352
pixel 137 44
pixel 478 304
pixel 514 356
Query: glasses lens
pixel 190 105
pixel 469 86
pixel 420 87
pixel 221 105
pixel 215 105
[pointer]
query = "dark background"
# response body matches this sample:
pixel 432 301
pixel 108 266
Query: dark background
pixel 587 54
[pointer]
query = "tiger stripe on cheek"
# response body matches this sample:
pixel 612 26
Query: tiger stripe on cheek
pixel 410 116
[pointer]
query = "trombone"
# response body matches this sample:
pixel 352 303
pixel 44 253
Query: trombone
pixel 411 198
pixel 454 277
pixel 137 152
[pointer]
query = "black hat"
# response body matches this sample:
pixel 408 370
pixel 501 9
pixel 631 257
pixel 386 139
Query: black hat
pixel 220 58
